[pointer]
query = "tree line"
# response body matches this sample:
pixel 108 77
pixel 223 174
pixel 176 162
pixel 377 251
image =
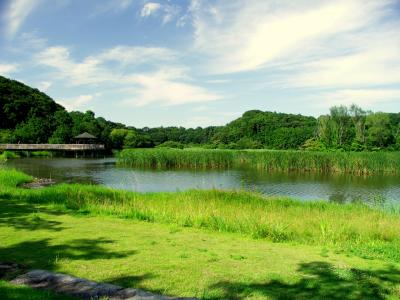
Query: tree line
pixel 30 116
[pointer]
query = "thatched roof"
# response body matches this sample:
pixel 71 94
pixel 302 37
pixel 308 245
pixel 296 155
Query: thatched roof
pixel 85 135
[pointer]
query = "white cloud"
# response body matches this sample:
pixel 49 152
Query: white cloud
pixel 137 55
pixel 167 87
pixel 170 13
pixel 96 69
pixel 88 71
pixel 16 14
pixel 76 103
pixel 164 81
pixel 150 9
pixel 31 40
pixel 363 97
pixel 374 61
pixel 249 35
pixel 167 11
pixel 44 85
pixel 7 69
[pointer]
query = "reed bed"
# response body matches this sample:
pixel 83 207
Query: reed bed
pixel 360 163
pixel 6 155
pixel 357 228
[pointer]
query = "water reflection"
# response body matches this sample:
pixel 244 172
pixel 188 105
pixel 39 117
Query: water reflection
pixel 306 186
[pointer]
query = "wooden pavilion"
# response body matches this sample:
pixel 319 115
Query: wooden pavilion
pixel 85 138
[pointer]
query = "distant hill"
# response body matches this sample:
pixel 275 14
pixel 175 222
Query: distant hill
pixel 19 103
pixel 269 129
pixel 30 116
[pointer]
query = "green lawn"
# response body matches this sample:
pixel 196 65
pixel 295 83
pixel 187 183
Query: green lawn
pixel 184 261
pixel 11 292
pixel 176 260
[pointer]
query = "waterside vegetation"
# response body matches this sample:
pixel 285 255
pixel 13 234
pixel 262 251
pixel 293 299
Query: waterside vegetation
pixel 359 163
pixel 367 231
pixel 6 155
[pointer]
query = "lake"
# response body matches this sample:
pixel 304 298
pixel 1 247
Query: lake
pixel 305 186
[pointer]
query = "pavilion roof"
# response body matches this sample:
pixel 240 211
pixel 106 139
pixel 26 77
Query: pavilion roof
pixel 85 135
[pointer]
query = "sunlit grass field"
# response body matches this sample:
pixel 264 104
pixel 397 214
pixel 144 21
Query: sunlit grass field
pixel 356 228
pixel 304 161
pixel 206 244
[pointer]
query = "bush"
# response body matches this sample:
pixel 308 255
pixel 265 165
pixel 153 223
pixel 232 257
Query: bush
pixel 171 144
pixel 313 145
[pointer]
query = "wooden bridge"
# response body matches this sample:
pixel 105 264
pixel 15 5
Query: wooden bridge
pixel 60 147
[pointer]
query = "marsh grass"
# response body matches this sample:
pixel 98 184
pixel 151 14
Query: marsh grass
pixel 40 154
pixel 7 155
pixel 356 228
pixel 325 162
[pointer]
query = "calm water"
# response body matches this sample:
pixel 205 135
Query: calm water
pixel 338 188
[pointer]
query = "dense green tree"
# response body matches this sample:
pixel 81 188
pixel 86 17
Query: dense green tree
pixel 135 140
pixel 272 130
pixel 19 102
pixel 63 123
pixel 358 116
pixel 6 136
pixel 171 144
pixel 117 137
pixel 340 125
pixel 325 130
pixel 32 131
pixel 378 130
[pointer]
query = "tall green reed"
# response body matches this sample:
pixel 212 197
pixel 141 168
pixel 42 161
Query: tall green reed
pixel 325 162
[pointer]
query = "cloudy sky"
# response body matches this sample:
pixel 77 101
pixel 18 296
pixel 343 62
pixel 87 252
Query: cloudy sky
pixel 198 63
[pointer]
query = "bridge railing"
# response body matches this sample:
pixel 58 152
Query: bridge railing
pixel 39 147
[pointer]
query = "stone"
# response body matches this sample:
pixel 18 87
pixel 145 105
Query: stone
pixel 9 269
pixel 85 289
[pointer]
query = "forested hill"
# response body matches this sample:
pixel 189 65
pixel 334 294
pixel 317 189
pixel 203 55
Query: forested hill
pixel 269 129
pixel 30 116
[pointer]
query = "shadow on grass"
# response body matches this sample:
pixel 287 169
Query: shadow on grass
pixel 26 216
pixel 22 212
pixel 129 281
pixel 135 281
pixel 11 292
pixel 320 280
pixel 43 254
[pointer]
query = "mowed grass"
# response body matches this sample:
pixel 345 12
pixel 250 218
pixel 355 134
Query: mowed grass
pixel 173 260
pixel 304 161
pixel 352 228
pixel 12 292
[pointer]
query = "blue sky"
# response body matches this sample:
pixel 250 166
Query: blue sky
pixel 198 63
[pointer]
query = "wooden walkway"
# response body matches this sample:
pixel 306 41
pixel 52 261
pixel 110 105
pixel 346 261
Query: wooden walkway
pixel 61 147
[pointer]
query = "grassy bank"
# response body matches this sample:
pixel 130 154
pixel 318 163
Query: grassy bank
pixel 327 162
pixel 353 228
pixel 175 260
pixel 6 155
